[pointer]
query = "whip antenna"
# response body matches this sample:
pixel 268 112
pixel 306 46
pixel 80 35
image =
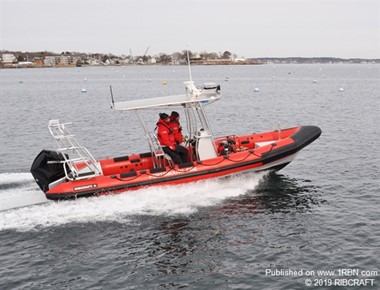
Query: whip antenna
pixel 112 100
pixel 188 64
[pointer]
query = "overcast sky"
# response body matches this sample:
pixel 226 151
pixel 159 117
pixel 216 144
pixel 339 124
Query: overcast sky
pixel 248 28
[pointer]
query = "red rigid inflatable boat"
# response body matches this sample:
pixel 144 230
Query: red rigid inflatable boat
pixel 71 171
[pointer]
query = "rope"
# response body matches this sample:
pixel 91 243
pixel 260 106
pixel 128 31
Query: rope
pixel 163 173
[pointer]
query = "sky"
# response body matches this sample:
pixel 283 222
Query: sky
pixel 247 28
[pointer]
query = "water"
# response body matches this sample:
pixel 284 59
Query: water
pixel 319 213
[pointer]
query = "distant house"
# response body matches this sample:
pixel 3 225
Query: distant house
pixel 50 61
pixel 38 61
pixel 93 61
pixel 152 60
pixel 196 56
pixel 9 58
pixel 64 60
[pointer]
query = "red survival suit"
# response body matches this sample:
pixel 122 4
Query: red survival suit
pixel 167 140
pixel 177 129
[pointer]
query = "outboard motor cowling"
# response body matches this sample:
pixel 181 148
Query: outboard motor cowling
pixel 47 168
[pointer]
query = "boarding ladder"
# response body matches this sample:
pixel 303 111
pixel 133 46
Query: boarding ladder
pixel 81 164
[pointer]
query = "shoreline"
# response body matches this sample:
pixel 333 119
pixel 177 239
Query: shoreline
pixel 195 64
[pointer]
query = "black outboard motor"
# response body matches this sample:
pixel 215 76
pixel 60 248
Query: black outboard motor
pixel 47 168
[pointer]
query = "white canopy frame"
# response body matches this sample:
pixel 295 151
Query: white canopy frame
pixel 193 103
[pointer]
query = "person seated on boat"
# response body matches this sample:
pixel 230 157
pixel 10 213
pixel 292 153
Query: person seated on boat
pixel 167 140
pixel 177 130
pixel 176 126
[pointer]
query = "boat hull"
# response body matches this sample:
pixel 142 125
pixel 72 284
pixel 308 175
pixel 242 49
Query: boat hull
pixel 271 150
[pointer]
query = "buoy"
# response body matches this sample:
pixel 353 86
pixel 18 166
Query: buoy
pixel 341 90
pixel 164 83
pixel 256 90
pixel 315 81
pixel 83 91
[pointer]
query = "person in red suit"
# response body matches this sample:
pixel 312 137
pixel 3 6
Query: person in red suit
pixel 168 142
pixel 177 129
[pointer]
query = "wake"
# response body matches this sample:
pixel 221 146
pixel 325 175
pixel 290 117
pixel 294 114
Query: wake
pixel 18 190
pixel 24 206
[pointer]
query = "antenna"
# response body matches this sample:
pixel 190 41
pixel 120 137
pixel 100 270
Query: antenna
pixel 190 84
pixel 112 100
pixel 188 64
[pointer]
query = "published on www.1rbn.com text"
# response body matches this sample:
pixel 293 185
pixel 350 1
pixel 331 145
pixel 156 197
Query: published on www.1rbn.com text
pixel 324 278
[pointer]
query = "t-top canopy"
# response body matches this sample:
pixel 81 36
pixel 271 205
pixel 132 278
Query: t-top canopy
pixel 204 96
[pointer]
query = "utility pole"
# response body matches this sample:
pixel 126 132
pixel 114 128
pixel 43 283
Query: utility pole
pixel 130 53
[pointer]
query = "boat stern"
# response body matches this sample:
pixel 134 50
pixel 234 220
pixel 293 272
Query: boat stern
pixel 47 168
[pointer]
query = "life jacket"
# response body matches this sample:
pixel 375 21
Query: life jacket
pixel 165 134
pixel 177 129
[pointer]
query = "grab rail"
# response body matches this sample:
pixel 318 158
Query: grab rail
pixel 81 164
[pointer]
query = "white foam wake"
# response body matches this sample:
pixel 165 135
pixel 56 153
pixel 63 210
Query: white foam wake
pixel 166 200
pixel 14 177
pixel 19 189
